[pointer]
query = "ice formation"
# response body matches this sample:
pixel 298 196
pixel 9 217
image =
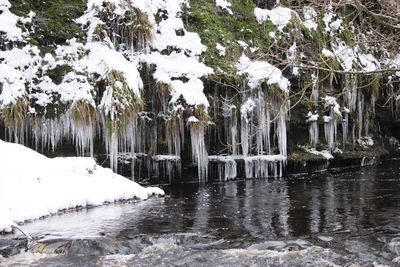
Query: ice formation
pixel 137 84
pixel 331 121
pixel 199 149
pixel 226 167
pixel 313 128
pixel 112 56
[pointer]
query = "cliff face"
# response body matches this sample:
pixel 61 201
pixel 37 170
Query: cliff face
pixel 234 87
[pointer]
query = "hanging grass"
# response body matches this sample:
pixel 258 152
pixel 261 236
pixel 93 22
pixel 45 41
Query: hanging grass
pixel 83 113
pixel 163 88
pixel 201 114
pixel 125 103
pixel 14 113
pixel 137 24
pixel 375 85
pixel 100 33
pixel 132 28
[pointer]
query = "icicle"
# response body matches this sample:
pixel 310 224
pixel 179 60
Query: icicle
pixel 246 112
pixel 231 127
pixel 330 131
pixel 169 165
pixel 264 125
pixel 313 128
pixel 264 166
pixel 360 111
pixel 282 136
pixel 199 151
pixel 226 167
pixel 315 90
pixel 345 126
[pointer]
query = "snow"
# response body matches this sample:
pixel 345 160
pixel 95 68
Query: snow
pixel 330 101
pixel 365 141
pixel 221 49
pixel 193 119
pixel 242 44
pixel 327 53
pixel 324 153
pixel 166 37
pixel 279 16
pixel 8 22
pixel 166 158
pixel 332 25
pixel 292 58
pixel 102 60
pixel 183 61
pixel 247 107
pixel 310 17
pixel 13 85
pixel 224 5
pixel 352 57
pixel 312 117
pixel 191 91
pixel 260 71
pixel 175 65
pixel 73 87
pixel 18 66
pixel 33 186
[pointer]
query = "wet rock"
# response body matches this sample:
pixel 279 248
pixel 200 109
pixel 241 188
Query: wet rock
pixel 394 245
pixel 13 247
pixel 86 247
pixel 52 247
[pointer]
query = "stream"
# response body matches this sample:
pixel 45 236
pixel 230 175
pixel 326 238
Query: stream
pixel 326 219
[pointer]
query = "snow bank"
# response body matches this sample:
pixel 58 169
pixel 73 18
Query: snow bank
pixel 33 186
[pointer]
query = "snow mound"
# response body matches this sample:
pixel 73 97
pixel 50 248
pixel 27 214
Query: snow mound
pixel 33 186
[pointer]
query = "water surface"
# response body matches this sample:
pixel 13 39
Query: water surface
pixel 321 220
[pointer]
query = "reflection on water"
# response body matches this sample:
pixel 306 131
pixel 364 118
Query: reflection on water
pixel 354 215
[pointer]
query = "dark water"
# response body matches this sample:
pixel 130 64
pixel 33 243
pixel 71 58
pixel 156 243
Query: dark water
pixel 323 220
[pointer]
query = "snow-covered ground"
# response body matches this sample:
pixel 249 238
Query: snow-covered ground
pixel 33 186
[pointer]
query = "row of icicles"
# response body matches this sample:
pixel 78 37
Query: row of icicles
pixel 355 100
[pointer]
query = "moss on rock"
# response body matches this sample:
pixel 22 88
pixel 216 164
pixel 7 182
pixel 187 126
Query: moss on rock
pixel 54 22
